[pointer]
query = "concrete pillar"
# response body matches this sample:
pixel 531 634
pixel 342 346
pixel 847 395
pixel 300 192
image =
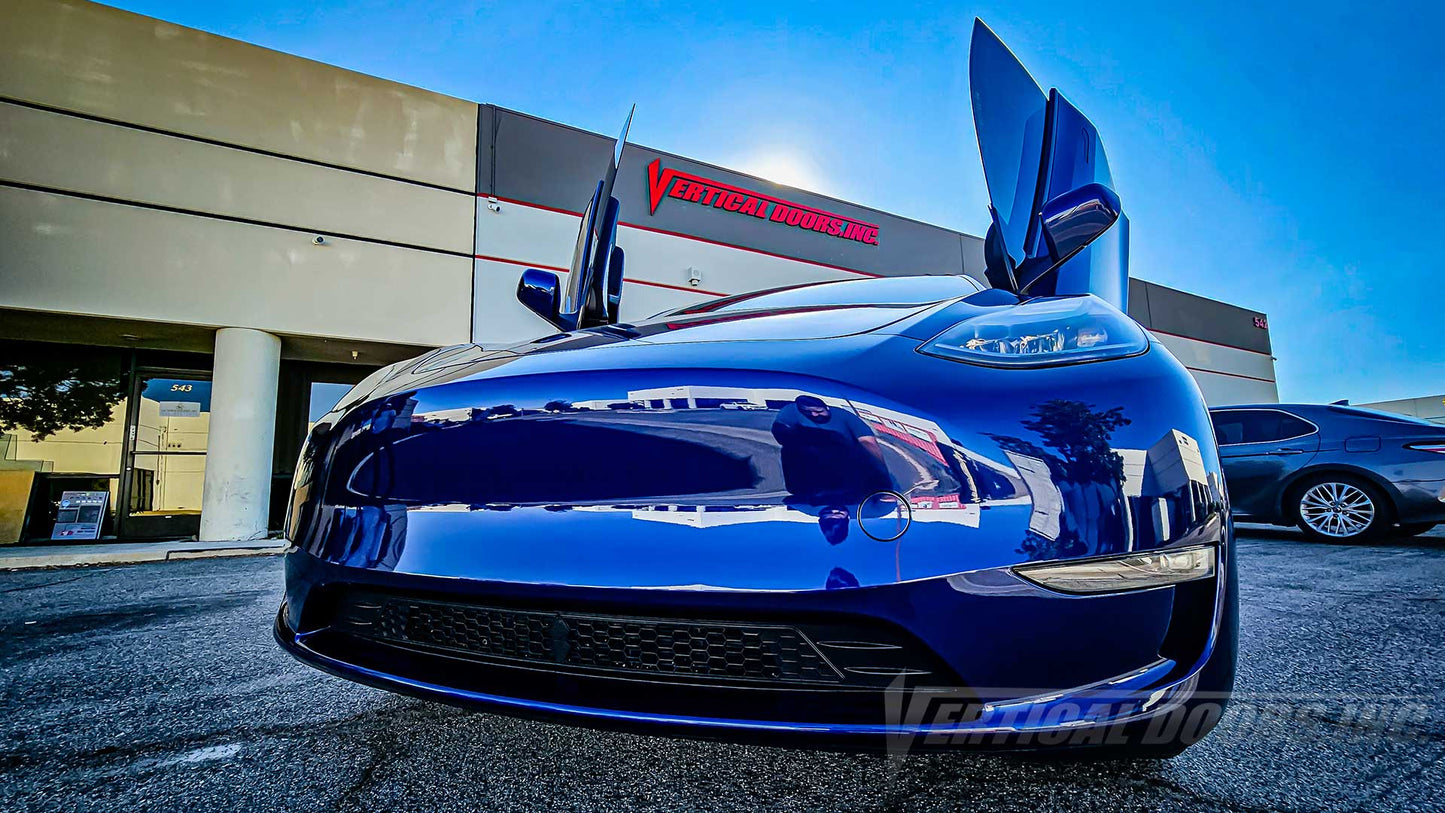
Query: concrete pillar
pixel 236 500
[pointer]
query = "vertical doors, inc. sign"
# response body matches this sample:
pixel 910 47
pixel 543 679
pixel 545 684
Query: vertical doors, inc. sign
pixel 667 182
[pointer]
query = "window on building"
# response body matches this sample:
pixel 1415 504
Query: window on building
pixel 173 423
pixel 62 429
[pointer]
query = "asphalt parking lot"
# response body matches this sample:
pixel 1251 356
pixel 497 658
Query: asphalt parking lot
pixel 158 687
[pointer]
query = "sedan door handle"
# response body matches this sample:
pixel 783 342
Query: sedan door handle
pixel 1286 451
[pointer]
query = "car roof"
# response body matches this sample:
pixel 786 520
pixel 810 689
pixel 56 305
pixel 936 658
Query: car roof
pixel 1334 410
pixel 1347 408
pixel 1262 406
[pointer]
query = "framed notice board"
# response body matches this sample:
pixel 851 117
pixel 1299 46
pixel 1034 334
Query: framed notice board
pixel 81 514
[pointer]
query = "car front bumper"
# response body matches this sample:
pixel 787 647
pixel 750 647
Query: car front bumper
pixel 1049 671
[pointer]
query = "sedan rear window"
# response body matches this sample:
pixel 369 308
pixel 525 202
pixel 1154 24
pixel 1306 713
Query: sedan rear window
pixel 1257 426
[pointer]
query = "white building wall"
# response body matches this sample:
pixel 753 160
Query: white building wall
pixel 658 269
pixel 1426 408
pixel 1226 375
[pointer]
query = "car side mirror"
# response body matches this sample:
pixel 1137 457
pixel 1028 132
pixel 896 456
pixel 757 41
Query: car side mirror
pixel 1072 220
pixel 540 292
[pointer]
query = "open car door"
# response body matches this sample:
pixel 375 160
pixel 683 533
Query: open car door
pixel 1057 224
pixel 593 292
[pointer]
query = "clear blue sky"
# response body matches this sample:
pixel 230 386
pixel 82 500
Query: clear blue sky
pixel 1287 157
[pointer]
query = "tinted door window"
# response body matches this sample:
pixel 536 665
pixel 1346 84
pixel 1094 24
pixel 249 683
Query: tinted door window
pixel 1257 426
pixel 1259 449
pixel 1009 109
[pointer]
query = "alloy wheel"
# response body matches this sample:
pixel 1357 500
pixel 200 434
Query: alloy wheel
pixel 1338 510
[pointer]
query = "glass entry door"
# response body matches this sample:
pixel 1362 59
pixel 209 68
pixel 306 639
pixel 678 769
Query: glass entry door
pixel 168 426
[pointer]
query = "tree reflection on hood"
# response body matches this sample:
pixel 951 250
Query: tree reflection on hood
pixel 1088 472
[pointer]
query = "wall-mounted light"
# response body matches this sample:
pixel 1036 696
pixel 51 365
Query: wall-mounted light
pixel 694 277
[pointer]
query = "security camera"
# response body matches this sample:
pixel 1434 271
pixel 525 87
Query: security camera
pixel 319 240
pixel 494 205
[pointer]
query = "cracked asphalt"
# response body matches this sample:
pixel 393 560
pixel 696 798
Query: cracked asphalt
pixel 158 687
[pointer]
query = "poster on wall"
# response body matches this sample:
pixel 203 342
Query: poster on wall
pixel 81 514
pixel 180 409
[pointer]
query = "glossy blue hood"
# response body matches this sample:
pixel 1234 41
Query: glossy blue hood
pixel 740 450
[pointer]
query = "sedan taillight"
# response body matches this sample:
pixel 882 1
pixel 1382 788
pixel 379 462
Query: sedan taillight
pixel 1436 446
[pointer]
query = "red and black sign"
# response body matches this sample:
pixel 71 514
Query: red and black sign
pixel 671 183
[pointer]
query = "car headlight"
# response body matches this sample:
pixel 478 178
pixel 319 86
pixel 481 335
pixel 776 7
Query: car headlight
pixel 1131 571
pixel 1039 332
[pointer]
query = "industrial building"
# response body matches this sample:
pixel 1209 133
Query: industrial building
pixel 203 243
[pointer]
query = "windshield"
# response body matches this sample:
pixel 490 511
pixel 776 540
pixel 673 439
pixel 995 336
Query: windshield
pixel 882 292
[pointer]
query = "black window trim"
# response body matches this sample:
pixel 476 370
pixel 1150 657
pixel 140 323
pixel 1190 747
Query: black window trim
pixel 1314 430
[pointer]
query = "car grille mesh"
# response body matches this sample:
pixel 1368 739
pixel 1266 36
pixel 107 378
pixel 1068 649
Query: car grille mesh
pixel 713 650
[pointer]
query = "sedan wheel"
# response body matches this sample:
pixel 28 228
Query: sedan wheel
pixel 1338 510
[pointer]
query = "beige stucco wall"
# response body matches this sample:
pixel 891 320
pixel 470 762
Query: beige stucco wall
pixel 100 61
pixel 74 255
pixel 154 172
pixel 67 153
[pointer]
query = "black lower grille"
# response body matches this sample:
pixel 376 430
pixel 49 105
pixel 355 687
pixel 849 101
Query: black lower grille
pixel 703 649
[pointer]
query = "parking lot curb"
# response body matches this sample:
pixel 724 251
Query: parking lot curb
pixel 45 557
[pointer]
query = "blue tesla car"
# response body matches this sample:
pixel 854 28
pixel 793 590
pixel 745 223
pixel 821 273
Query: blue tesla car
pixel 904 512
